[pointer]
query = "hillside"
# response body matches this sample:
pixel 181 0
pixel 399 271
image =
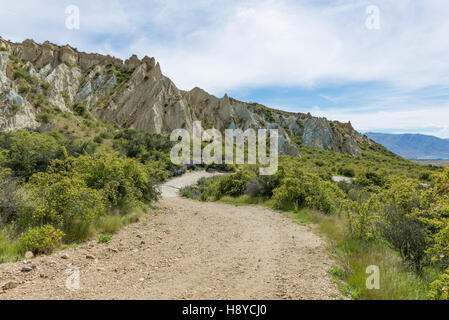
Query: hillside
pixel 84 150
pixel 413 146
pixel 37 80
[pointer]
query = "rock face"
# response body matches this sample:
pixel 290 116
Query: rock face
pixel 135 94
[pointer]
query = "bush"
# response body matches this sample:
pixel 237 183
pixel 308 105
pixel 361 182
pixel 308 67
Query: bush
pixel 253 188
pixel 308 191
pixel 439 289
pixel 269 183
pixel 124 181
pixel 371 178
pixel 24 89
pixel 61 200
pixel 408 236
pixel 104 238
pixel 325 197
pixel 45 85
pixel 98 139
pixel 424 176
pixel 41 240
pixel 347 172
pixel 76 192
pixel 433 211
pixel 202 190
pixel 15 107
pixel 29 153
pixel 291 191
pixel 79 109
pixel 44 117
pixel 230 185
pixel 144 146
pixel 9 199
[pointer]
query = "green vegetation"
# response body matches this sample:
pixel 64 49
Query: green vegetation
pixel 68 185
pixel 79 109
pixel 395 215
pixel 44 117
pixel 120 73
pixel 15 107
pixel 41 240
pixel 86 179
pixel 104 238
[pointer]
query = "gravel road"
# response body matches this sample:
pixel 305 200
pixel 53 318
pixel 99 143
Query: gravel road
pixel 185 249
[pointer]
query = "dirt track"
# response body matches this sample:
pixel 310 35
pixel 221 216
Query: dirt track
pixel 187 250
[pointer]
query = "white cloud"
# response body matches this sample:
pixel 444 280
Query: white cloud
pixel 223 45
pixel 285 43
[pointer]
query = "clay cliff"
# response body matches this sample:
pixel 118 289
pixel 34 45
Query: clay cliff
pixel 135 94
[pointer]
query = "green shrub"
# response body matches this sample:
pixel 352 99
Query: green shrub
pixel 144 146
pixel 347 172
pixel 124 181
pixel 65 96
pixel 19 73
pixel 2 49
pixel 24 89
pixel 371 178
pixel 424 176
pixel 319 163
pixel 9 197
pixel 41 240
pixel 15 107
pixel 230 185
pixel 439 289
pixel 44 117
pixel 29 153
pixel 105 135
pixel 308 190
pixel 337 272
pixel 291 191
pixel 408 236
pixel 62 200
pixel 79 109
pixel 433 212
pixel 45 86
pixel 265 184
pixel 324 196
pixel 104 238
pixel 15 58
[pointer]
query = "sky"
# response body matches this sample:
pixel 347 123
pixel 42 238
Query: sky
pixel 383 65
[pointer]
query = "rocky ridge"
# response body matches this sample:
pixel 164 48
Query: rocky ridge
pixel 135 94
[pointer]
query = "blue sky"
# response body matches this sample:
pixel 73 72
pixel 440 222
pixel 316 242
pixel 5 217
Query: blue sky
pixel 313 56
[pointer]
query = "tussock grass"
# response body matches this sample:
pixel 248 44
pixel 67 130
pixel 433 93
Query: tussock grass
pixel 243 200
pixel 80 232
pixel 110 224
pixel 352 257
pixel 9 250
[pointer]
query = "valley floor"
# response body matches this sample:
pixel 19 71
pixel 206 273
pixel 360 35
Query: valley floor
pixel 187 249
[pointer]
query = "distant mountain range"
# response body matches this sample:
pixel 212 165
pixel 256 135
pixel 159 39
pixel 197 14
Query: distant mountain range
pixel 413 146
